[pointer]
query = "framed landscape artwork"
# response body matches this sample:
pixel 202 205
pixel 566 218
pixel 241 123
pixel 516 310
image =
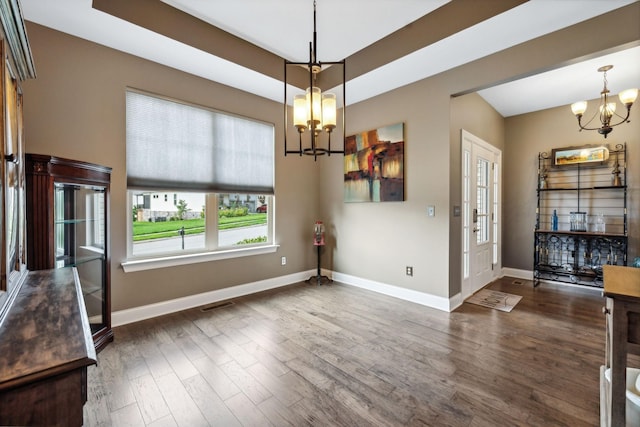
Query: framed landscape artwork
pixel 575 155
pixel 374 165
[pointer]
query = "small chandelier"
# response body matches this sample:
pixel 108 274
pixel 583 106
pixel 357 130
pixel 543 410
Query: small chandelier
pixel 607 109
pixel 314 111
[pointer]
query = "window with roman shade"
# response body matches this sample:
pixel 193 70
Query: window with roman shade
pixel 205 175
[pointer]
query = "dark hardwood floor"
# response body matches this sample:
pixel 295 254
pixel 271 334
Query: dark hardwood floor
pixel 337 355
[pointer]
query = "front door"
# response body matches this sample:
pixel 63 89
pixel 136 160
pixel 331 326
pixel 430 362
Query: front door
pixel 481 188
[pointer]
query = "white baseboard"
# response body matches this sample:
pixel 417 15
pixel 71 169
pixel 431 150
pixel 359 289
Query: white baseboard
pixel 517 273
pixel 433 301
pixel 136 314
pixel 455 301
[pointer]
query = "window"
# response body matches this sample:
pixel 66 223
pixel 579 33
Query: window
pixel 482 200
pixel 218 169
pixel 239 220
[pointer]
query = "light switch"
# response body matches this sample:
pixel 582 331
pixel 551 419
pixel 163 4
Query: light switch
pixel 431 211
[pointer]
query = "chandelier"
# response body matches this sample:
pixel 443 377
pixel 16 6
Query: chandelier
pixel 607 107
pixel 314 112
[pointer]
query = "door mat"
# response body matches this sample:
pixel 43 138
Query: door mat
pixel 495 299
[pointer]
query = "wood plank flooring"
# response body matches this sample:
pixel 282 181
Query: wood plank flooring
pixel 337 355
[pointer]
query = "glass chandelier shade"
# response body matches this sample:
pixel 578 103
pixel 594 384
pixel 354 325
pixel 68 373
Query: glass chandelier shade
pixel 314 107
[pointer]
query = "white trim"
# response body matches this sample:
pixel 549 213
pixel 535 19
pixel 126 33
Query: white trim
pixel 171 261
pixel 433 301
pixel 455 301
pixel 136 314
pixel 517 273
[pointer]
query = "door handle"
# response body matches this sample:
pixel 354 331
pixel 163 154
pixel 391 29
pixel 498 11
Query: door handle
pixel 475 229
pixel 475 216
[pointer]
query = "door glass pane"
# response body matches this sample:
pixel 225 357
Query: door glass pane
pixel 466 184
pixel 482 201
pixel 496 211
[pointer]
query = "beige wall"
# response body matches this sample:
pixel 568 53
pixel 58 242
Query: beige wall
pixel 529 134
pixel 376 241
pixel 76 109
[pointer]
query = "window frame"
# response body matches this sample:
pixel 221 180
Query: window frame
pixel 211 252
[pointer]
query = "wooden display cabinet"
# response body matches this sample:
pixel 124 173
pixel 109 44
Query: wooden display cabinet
pixel 68 226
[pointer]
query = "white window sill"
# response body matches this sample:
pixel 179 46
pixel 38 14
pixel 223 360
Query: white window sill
pixel 175 260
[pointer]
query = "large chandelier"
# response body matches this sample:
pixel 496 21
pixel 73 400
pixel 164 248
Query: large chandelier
pixel 313 110
pixel 607 107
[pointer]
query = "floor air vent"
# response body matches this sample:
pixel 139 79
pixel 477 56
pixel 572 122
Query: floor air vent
pixel 216 306
pixel 517 282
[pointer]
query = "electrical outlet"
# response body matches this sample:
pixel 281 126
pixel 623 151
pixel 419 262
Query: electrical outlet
pixel 409 271
pixel 283 260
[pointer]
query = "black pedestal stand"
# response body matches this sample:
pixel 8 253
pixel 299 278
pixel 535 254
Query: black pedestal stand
pixel 318 278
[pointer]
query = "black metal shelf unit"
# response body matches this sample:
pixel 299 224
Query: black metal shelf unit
pixel 596 195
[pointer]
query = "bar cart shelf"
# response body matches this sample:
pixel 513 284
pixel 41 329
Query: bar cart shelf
pixel 590 201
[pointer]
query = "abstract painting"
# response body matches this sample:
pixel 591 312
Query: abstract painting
pixel 374 165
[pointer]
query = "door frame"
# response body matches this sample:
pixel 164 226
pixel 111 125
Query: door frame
pixel 467 141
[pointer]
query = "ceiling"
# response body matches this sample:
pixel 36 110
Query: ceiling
pixel 351 29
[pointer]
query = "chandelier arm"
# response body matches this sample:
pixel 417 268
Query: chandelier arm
pixel 625 119
pixel 584 127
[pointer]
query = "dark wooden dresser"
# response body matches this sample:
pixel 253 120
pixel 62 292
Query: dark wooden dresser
pixel 45 348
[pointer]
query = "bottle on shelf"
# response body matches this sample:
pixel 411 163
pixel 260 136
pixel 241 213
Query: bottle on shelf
pixel 600 223
pixel 554 221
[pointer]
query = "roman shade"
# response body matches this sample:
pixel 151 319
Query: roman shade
pixel 181 147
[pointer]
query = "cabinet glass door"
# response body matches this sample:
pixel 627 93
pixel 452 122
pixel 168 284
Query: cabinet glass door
pixel 80 234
